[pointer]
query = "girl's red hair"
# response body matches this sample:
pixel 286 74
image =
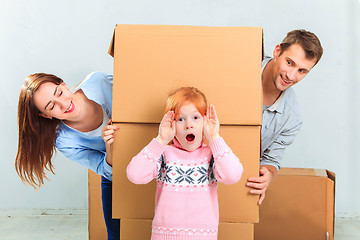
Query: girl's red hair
pixel 184 95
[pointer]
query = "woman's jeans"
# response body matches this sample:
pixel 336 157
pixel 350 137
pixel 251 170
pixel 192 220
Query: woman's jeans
pixel 112 225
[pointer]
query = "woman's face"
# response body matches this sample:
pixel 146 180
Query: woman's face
pixel 55 101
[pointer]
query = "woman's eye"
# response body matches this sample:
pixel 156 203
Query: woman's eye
pixel 196 117
pixel 60 93
pixel 52 107
pixel 289 63
pixel 180 119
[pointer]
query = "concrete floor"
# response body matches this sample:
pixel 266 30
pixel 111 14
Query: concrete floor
pixel 74 227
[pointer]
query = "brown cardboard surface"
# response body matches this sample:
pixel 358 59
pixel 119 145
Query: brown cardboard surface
pixel 135 229
pixel 133 201
pixel 236 231
pixel 96 227
pixel 298 206
pixel 140 229
pixel 151 60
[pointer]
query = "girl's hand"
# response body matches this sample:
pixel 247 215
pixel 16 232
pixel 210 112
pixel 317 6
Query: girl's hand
pixel 108 133
pixel 211 124
pixel 167 128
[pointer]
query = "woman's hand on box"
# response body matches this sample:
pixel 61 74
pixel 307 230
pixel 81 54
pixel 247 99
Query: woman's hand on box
pixel 108 132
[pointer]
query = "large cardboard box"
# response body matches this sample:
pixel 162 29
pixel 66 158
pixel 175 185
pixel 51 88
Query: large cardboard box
pixel 299 205
pixel 134 201
pixel 223 62
pixel 140 229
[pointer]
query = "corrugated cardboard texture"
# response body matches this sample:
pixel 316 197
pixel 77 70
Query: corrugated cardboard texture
pixel 133 201
pixel 140 229
pixel 223 62
pixel 236 231
pixel 298 207
pixel 97 228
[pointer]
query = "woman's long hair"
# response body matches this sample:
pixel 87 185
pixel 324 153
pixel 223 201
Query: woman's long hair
pixel 37 135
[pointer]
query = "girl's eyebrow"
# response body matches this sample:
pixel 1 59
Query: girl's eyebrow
pixel 54 95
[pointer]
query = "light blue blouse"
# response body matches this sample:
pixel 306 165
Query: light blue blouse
pixel 87 150
pixel 281 122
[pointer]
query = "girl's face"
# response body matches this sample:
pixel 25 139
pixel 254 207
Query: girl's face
pixel 55 101
pixel 189 127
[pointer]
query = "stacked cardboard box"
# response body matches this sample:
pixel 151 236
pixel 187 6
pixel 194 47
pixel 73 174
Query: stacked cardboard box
pixel 224 63
pixel 299 205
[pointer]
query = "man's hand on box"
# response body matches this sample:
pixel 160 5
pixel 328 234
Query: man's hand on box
pixel 260 184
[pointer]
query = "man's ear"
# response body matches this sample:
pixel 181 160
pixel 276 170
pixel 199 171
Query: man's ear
pixel 45 116
pixel 277 51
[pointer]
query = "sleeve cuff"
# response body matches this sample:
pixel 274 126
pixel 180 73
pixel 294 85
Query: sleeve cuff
pixel 155 149
pixel 219 147
pixel 107 170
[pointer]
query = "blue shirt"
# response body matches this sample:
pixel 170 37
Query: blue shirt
pixel 281 122
pixel 87 150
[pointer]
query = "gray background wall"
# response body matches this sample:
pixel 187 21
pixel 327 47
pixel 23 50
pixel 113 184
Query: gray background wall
pixel 71 39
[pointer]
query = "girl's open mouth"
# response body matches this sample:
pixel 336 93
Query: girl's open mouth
pixel 190 138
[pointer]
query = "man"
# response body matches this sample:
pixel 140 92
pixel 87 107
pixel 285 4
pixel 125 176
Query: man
pixel 292 60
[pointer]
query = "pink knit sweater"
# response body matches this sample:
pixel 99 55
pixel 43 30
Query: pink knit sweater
pixel 186 202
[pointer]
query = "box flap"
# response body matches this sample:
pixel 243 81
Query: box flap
pixel 112 46
pixel 303 172
pixel 152 60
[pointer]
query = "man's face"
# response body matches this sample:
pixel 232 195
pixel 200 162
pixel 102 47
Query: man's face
pixel 290 67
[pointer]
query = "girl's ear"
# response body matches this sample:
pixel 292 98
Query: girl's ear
pixel 45 116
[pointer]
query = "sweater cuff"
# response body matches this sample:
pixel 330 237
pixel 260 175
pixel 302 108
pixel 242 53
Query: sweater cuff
pixel 155 149
pixel 107 170
pixel 219 147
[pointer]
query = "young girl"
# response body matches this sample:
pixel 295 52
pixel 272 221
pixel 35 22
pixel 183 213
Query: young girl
pixel 187 171
pixel 50 115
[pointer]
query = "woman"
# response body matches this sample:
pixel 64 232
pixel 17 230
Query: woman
pixel 50 115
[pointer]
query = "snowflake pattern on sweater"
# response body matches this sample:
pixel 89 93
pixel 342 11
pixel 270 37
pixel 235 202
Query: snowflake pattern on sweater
pixel 189 175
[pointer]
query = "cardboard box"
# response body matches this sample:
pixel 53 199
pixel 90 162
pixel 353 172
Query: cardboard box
pixel 97 227
pixel 134 229
pixel 151 60
pixel 299 205
pixel 132 201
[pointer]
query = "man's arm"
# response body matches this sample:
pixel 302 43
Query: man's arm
pixel 270 162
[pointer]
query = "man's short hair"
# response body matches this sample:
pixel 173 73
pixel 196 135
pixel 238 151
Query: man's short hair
pixel 307 40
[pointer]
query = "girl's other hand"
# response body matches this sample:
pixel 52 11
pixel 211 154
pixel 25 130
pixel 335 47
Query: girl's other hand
pixel 167 128
pixel 108 133
pixel 211 124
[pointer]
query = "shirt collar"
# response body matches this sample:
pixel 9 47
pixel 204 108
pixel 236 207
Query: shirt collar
pixel 278 105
